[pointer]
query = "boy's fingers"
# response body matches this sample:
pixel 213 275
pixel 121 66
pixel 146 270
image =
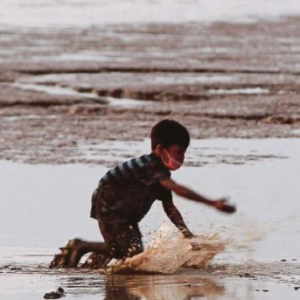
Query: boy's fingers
pixel 228 208
pixel 188 235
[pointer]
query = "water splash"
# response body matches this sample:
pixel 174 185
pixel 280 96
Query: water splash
pixel 169 252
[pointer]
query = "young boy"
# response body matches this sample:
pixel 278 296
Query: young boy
pixel 125 195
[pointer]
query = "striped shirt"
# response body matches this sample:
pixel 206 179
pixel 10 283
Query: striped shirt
pixel 129 189
pixel 126 170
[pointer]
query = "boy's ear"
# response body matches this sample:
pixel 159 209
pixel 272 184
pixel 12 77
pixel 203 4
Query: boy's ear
pixel 159 149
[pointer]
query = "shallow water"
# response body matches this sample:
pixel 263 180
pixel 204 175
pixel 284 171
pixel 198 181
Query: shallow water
pixel 147 287
pixel 43 206
pixel 40 13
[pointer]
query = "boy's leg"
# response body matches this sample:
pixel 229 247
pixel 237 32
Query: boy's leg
pixel 124 239
pixel 121 240
pixel 122 236
pixel 75 249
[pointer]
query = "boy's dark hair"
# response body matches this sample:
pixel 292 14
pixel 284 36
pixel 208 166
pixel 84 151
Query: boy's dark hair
pixel 169 132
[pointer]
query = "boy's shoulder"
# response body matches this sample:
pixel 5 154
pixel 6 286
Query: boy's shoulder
pixel 155 170
pixel 145 167
pixel 147 162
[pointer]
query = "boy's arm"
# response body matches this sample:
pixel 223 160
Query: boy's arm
pixel 175 217
pixel 189 194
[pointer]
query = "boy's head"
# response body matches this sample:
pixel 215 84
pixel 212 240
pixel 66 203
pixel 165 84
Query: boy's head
pixel 169 140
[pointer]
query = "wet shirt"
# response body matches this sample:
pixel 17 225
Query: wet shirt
pixel 127 191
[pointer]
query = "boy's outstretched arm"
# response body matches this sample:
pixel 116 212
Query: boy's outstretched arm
pixel 175 217
pixel 189 194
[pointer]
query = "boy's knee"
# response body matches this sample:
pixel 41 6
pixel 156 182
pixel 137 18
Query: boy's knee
pixel 126 248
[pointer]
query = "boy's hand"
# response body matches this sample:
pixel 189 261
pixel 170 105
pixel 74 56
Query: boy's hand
pixel 223 206
pixel 187 234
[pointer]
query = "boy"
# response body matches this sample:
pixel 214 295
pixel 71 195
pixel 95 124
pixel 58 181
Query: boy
pixel 125 194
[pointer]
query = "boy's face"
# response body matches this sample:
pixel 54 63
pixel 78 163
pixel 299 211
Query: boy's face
pixel 173 156
pixel 177 152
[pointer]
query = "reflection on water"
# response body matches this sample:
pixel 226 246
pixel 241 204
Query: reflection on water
pixel 150 287
pixel 241 282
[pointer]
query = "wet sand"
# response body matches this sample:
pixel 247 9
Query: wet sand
pixel 69 95
pixel 64 87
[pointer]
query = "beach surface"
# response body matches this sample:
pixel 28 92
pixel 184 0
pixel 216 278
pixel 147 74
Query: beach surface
pixel 50 204
pixel 82 82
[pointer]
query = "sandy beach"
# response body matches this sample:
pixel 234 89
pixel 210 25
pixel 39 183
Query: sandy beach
pixel 81 86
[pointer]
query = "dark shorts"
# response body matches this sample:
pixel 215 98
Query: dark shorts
pixel 115 204
pixel 120 233
pixel 102 195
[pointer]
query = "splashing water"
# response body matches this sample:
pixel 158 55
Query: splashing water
pixel 169 251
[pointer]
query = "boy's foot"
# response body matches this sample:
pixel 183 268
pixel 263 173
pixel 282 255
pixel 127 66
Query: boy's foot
pixel 70 255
